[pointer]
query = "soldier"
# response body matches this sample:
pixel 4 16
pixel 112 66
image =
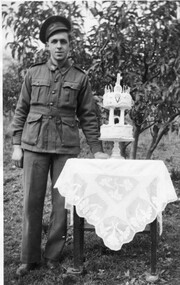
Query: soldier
pixel 54 96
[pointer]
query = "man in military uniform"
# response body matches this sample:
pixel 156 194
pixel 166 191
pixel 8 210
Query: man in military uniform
pixel 54 96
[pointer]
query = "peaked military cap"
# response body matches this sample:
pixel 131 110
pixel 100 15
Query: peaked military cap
pixel 53 24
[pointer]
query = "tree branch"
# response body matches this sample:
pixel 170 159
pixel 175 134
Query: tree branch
pixel 164 130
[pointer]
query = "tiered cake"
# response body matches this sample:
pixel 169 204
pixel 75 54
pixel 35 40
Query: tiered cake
pixel 116 128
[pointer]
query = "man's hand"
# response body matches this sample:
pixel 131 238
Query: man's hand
pixel 101 155
pixel 17 156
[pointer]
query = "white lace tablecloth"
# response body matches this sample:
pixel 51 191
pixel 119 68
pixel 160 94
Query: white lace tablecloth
pixel 118 197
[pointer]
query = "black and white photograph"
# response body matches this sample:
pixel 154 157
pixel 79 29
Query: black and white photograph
pixel 90 127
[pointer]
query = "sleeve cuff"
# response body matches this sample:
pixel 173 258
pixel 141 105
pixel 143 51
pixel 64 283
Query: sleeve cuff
pixel 17 138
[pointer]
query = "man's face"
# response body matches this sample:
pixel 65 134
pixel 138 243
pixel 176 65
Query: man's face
pixel 58 45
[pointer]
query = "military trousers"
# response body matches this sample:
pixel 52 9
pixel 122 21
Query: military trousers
pixel 37 168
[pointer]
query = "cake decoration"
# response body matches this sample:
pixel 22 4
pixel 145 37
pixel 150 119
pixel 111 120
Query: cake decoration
pixel 117 130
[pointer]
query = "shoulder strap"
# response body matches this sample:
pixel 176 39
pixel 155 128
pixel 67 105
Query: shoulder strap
pixel 38 63
pixel 80 69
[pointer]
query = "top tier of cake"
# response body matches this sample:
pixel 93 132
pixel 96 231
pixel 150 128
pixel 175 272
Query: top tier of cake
pixel 117 98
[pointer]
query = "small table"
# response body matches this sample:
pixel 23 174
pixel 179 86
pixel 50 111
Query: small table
pixel 118 197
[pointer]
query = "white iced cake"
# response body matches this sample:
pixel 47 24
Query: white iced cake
pixel 116 131
pixel 121 99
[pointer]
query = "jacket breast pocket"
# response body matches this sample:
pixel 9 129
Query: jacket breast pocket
pixel 32 129
pixel 69 93
pixel 70 132
pixel 40 90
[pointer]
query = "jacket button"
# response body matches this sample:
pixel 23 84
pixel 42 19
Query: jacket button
pixel 53 92
pixel 51 104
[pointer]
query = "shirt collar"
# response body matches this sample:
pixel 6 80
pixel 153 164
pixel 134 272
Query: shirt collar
pixel 67 64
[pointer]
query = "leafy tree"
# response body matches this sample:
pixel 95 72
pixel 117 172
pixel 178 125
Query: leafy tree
pixel 11 88
pixel 144 43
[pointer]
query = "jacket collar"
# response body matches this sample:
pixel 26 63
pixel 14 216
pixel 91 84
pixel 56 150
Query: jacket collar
pixel 67 64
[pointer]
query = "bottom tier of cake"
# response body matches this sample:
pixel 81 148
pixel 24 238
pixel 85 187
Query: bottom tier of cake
pixel 117 131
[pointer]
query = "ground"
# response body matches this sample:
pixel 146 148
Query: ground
pixel 103 266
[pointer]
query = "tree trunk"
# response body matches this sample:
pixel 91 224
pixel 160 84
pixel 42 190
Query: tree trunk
pixel 153 142
pixel 135 143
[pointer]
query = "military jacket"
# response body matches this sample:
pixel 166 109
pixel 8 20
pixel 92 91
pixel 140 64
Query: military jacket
pixel 51 103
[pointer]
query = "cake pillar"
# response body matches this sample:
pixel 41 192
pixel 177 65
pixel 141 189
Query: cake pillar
pixel 116 151
pixel 122 117
pixel 111 116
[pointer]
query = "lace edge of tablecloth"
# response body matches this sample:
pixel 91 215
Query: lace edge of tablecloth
pixel 141 229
